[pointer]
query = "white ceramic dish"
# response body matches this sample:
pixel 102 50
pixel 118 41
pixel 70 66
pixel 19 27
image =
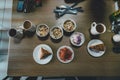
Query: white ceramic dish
pixel 93 53
pixel 44 32
pixel 68 27
pixel 52 31
pixel 67 61
pixel 36 54
pixel 77 34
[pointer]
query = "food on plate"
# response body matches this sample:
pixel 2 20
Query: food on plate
pixel 69 25
pixel 56 33
pixel 43 30
pixel 44 53
pixel 65 54
pixel 97 48
pixel 76 39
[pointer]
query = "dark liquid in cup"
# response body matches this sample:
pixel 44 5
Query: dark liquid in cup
pixel 27 24
pixel 100 28
pixel 12 32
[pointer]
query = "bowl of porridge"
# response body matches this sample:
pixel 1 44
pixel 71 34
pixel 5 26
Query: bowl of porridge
pixel 42 30
pixel 56 32
pixel 69 25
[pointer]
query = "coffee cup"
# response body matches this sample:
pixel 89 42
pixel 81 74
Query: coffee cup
pixel 16 33
pixel 97 29
pixel 29 28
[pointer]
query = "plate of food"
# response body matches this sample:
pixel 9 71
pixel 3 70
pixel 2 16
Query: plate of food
pixel 65 54
pixel 96 48
pixel 42 54
pixel 77 39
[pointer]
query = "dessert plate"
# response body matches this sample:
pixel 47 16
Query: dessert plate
pixel 95 53
pixel 65 51
pixel 36 54
pixel 77 39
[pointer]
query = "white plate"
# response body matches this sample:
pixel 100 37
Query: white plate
pixel 67 60
pixel 36 54
pixel 82 38
pixel 93 53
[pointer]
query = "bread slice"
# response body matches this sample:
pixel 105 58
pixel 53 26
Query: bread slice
pixel 44 53
pixel 98 47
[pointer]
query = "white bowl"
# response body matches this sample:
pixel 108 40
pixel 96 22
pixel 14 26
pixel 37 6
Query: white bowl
pixel 56 32
pixel 42 30
pixel 67 25
pixel 67 61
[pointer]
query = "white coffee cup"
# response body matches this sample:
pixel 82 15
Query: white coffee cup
pixel 29 26
pixel 97 28
pixel 116 38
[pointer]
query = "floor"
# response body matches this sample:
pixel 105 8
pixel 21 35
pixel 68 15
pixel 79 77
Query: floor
pixel 5 22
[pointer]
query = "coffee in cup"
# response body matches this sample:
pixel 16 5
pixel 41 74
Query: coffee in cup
pixel 29 28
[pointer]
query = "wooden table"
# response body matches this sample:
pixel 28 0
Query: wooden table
pixel 21 54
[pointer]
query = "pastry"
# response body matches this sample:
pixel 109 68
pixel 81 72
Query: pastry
pixel 65 54
pixel 98 47
pixel 44 53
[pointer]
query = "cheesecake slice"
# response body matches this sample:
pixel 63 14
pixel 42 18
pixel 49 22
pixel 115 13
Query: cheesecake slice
pixel 97 48
pixel 44 53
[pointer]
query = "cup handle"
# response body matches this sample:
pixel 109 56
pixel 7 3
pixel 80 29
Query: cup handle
pixel 93 24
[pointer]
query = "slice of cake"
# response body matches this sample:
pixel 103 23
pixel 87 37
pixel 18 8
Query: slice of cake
pixel 44 53
pixel 97 48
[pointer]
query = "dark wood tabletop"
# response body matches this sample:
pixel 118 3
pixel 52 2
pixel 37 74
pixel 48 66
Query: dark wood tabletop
pixel 21 62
